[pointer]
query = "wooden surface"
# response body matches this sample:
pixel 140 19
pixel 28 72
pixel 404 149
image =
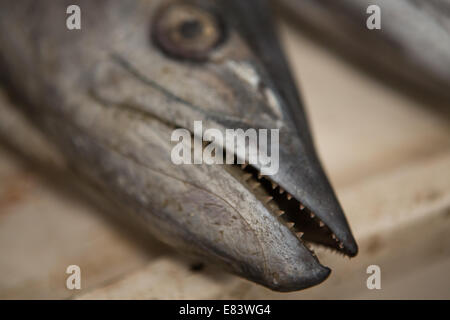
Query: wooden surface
pixel 387 154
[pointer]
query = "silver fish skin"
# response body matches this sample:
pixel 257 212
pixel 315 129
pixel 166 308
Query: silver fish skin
pixel 109 96
pixel 413 44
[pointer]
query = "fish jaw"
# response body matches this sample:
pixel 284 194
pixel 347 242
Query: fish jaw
pixel 228 223
pixel 301 189
pixel 238 228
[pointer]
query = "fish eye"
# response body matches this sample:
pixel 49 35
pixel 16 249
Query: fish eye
pixel 188 32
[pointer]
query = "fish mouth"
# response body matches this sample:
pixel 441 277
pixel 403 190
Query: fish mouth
pixel 309 229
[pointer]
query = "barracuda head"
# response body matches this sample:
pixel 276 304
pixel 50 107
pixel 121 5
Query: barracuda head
pixel 160 65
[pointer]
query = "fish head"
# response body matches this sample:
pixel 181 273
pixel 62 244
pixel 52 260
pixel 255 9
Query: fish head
pixel 176 63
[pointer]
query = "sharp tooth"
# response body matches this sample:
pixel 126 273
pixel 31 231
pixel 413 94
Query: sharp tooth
pixel 279 212
pixel 247 176
pixel 300 234
pixel 333 236
pixel 321 224
pixel 341 245
pixel 281 190
pixel 290 224
pixel 259 176
pixel 244 165
pixel 312 215
pixel 302 207
pixel 274 185
pixel 267 199
pixel 289 197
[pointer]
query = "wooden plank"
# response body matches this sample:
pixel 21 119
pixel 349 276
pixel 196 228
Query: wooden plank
pixel 45 227
pixel 168 277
